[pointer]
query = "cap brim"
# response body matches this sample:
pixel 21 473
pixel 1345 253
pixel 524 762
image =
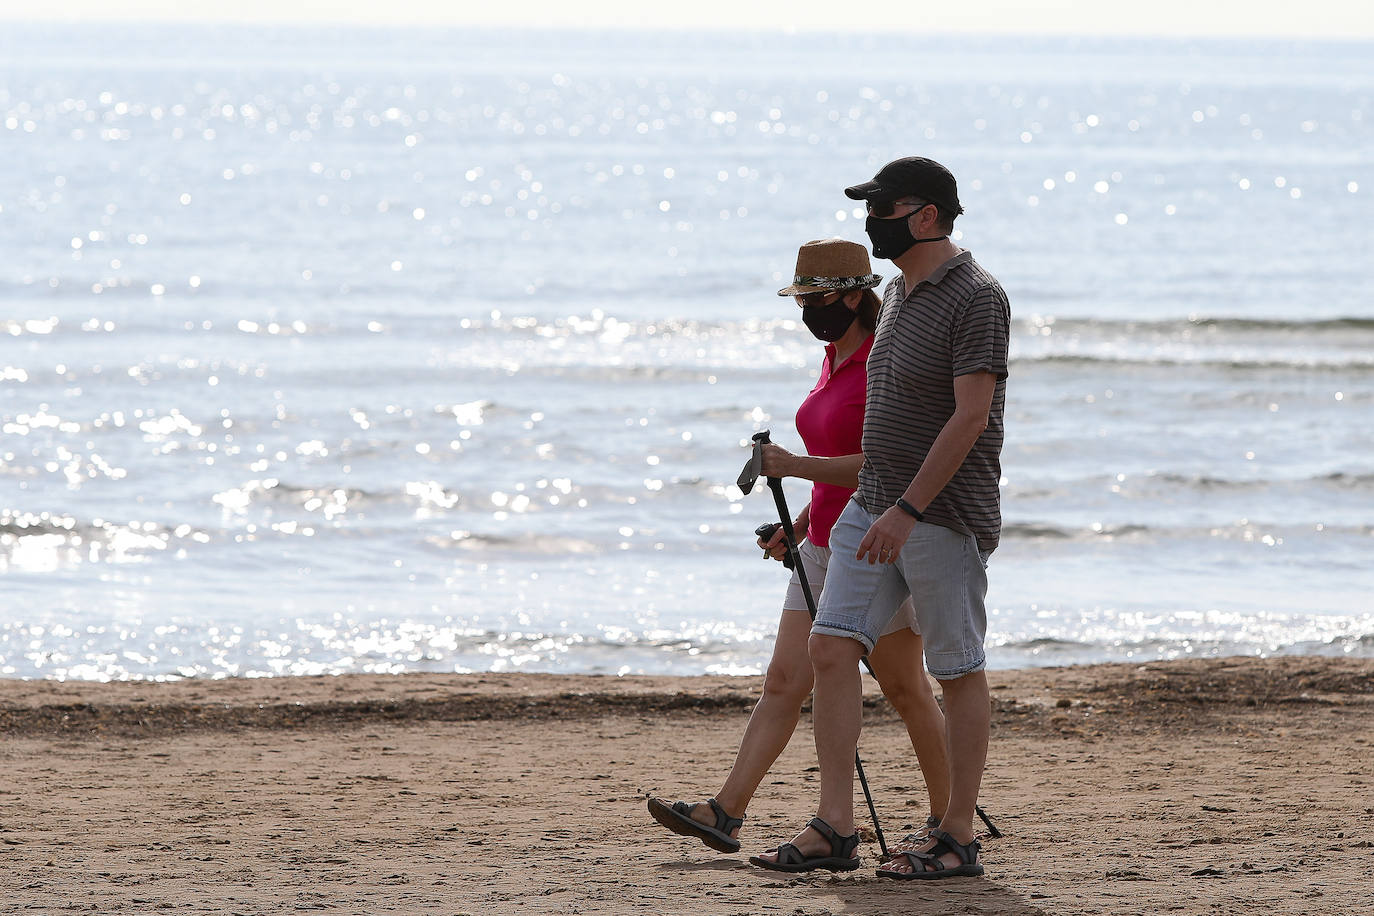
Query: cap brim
pixel 868 191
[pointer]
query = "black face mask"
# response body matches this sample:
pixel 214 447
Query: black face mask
pixel 892 238
pixel 829 322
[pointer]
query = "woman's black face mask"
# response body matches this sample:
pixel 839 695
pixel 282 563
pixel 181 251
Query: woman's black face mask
pixel 827 322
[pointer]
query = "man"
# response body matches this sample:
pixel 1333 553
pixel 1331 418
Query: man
pixel 925 517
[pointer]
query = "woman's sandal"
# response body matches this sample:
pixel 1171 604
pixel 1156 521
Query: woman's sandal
pixel 677 817
pixel 913 841
pixel 927 865
pixel 790 858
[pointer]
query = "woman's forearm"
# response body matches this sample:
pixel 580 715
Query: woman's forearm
pixel 842 471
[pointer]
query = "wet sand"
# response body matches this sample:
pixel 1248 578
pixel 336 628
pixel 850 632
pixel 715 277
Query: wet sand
pixel 1219 786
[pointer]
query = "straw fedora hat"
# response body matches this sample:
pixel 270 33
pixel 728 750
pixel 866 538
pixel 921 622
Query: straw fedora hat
pixel 826 265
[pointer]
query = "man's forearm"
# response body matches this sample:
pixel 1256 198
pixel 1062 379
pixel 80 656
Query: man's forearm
pixel 948 452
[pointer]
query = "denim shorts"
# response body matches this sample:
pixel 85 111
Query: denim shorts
pixel 815 561
pixel 940 569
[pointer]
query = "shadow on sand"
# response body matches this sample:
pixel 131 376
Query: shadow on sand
pixel 863 892
pixel 721 864
pixel 929 898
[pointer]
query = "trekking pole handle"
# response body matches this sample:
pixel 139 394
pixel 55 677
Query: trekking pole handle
pixel 765 532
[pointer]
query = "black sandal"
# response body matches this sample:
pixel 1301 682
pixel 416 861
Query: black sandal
pixel 791 859
pixel 927 865
pixel 911 841
pixel 677 817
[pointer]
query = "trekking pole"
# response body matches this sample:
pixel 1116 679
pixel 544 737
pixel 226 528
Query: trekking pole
pixel 775 484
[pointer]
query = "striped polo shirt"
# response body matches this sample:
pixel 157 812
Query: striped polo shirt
pixel 955 322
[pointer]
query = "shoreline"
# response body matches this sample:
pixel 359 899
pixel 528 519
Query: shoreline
pixel 1146 691
pixel 1241 785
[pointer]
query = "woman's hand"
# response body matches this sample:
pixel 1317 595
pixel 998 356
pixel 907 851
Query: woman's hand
pixel 778 461
pixel 775 546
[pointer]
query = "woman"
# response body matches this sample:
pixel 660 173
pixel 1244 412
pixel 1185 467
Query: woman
pixel 834 287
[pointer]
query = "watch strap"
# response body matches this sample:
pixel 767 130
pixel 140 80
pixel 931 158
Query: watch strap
pixel 910 510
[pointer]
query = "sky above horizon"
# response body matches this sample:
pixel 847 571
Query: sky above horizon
pixel 1225 18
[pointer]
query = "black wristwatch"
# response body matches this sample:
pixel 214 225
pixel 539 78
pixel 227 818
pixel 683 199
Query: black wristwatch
pixel 910 510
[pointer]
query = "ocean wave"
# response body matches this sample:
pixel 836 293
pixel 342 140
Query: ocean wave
pixel 670 348
pixel 343 645
pixel 742 652
pixel 601 347
pixel 332 501
pixel 1206 482
pixel 1344 332
pixel 1031 489
pixel 1032 531
pixel 1244 530
pixel 605 327
pixel 1054 651
pixel 46 542
pixel 544 545
pixel 1351 481
pixel 1183 326
pixel 598 323
pixel 1310 363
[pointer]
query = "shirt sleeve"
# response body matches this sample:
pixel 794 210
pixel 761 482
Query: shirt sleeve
pixel 981 334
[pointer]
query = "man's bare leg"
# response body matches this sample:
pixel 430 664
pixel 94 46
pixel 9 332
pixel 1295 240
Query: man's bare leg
pixel 968 719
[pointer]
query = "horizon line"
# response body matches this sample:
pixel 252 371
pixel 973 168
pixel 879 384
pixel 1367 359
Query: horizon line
pixel 1347 38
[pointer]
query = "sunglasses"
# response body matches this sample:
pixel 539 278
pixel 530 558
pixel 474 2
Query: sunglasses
pixel 884 209
pixel 815 300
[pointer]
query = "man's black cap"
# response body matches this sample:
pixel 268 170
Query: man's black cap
pixel 914 176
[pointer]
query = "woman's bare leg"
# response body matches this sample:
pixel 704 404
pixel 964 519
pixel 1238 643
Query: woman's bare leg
pixel 900 667
pixel 774 719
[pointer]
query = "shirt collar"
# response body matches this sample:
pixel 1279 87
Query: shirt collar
pixel 938 274
pixel 860 354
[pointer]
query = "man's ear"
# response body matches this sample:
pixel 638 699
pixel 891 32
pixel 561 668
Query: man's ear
pixel 921 218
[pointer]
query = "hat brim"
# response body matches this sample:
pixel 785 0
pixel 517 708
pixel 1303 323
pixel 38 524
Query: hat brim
pixel 870 190
pixel 795 290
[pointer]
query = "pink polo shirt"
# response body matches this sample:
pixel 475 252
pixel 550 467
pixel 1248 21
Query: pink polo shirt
pixel 831 424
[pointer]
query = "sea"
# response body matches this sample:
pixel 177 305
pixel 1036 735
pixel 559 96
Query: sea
pixel 329 350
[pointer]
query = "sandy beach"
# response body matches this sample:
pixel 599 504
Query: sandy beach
pixel 1234 785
